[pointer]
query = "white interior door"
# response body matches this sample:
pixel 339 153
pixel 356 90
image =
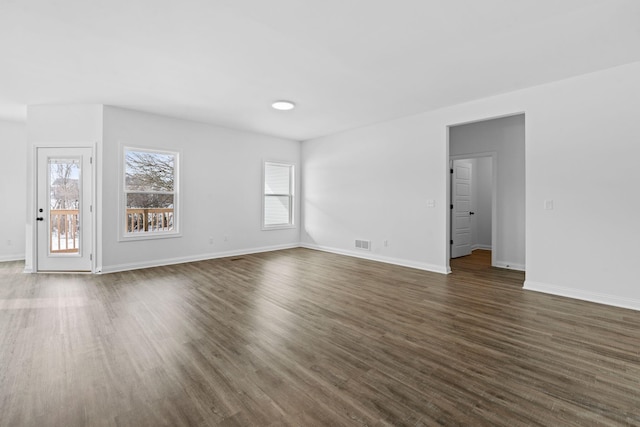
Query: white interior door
pixel 461 211
pixel 64 217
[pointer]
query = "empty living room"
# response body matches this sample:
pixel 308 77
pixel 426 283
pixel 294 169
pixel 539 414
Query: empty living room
pixel 296 213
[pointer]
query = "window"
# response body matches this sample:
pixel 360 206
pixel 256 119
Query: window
pixel 277 209
pixel 150 193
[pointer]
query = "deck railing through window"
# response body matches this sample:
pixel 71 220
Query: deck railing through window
pixel 64 232
pixel 140 220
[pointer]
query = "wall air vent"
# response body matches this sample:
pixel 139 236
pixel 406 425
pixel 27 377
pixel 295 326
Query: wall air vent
pixel 365 245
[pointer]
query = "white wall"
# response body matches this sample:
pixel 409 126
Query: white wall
pixel 221 178
pixel 374 183
pixel 581 143
pixel 506 137
pixel 56 126
pixel 13 180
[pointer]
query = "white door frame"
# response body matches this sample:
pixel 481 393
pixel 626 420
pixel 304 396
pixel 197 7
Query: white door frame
pixel 32 266
pixel 494 199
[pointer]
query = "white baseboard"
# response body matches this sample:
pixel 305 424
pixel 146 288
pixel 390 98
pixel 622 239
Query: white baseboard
pixel 12 257
pixel 193 258
pixel 509 265
pixel 481 247
pixel 380 258
pixel 599 298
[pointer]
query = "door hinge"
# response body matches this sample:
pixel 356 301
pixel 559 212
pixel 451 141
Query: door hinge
pixel 90 208
pixel 90 160
pixel 451 242
pixel 451 170
pixel 90 257
pixel 451 207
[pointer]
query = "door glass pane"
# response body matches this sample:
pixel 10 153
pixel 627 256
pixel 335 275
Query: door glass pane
pixel 64 190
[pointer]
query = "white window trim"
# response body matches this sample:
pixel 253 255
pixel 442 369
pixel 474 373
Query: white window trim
pixel 123 236
pixel 292 186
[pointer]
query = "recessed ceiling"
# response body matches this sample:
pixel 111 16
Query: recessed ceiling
pixel 345 63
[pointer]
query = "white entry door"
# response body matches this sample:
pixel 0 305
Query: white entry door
pixel 461 211
pixel 63 211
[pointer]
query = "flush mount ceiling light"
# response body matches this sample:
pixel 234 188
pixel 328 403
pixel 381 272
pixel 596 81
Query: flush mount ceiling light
pixel 283 105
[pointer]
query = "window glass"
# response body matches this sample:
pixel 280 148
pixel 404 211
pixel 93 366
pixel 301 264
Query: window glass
pixel 150 192
pixel 278 195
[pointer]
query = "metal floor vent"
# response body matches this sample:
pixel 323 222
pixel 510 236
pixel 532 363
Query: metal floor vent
pixel 363 244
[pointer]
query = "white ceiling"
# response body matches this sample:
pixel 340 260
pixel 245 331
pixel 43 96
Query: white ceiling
pixel 346 63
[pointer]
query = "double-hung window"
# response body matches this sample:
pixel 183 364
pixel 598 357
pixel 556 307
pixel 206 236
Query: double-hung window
pixel 277 205
pixel 150 193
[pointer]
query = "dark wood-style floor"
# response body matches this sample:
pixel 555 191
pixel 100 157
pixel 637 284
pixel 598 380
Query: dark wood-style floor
pixel 300 337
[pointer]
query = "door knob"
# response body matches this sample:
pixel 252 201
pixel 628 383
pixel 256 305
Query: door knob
pixel 40 218
pixel 472 213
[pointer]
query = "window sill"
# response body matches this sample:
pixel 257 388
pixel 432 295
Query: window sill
pixel 154 236
pixel 278 227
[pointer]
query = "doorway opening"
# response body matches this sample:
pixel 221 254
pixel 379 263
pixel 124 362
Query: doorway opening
pixel 478 262
pixel 472 219
pixel 486 190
